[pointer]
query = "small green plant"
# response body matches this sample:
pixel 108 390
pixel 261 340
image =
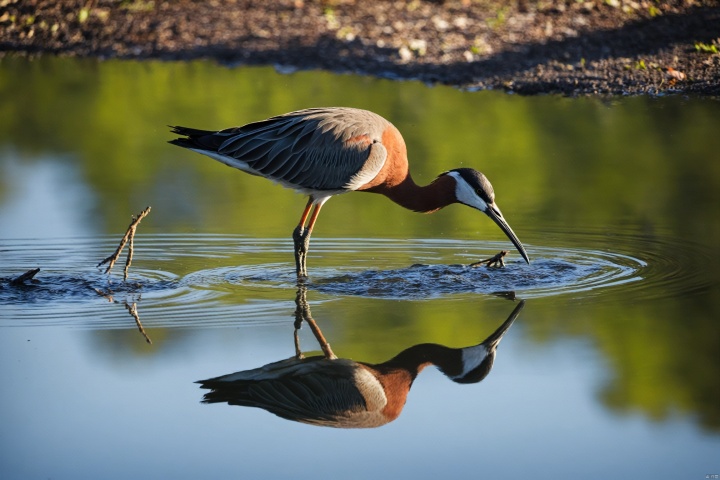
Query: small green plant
pixel 83 15
pixel 480 47
pixel 412 6
pixel 640 65
pixel 331 19
pixel 345 33
pixel 497 21
pixel 705 48
pixel 137 5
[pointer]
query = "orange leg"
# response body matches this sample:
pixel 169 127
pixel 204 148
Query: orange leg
pixel 301 237
pixel 324 345
pixel 313 218
pixel 302 312
pixel 305 213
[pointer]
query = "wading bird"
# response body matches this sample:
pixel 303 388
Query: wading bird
pixel 338 392
pixel 323 152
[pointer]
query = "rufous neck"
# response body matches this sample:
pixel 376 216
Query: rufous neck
pixel 417 357
pixel 425 199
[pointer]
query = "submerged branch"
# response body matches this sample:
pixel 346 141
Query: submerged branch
pixel 494 261
pixel 107 295
pixel 20 280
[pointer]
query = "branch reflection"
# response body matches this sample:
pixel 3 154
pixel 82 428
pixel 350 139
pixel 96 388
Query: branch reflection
pixel 337 392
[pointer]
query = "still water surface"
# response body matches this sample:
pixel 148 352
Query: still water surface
pixel 611 369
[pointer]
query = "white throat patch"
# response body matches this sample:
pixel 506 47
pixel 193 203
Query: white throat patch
pixel 472 357
pixel 465 193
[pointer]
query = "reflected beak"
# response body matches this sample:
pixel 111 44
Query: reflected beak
pixel 494 212
pixel 492 341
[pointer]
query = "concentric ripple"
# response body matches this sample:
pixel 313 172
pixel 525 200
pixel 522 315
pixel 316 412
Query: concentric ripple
pixel 194 280
pixel 552 272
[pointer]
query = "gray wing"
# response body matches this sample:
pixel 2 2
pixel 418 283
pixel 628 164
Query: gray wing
pixel 315 149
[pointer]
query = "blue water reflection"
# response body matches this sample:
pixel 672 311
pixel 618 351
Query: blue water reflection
pixel 535 402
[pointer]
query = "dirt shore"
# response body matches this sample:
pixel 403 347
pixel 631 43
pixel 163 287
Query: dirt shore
pixel 525 46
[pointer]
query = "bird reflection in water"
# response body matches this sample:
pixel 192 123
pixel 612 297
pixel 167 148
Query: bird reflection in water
pixel 338 392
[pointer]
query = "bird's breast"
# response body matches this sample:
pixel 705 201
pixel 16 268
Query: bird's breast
pixel 370 388
pixel 394 167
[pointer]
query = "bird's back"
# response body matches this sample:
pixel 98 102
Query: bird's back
pixel 314 150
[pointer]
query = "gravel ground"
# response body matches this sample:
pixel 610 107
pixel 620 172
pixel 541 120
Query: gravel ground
pixel 526 46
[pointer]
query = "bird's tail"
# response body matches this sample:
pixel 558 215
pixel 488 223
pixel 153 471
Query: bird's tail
pixel 233 393
pixel 189 132
pixel 192 137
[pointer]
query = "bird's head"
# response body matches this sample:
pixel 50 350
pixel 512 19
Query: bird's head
pixel 476 362
pixel 473 189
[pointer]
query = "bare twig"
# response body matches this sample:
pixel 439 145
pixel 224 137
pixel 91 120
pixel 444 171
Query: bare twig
pixel 494 261
pixel 129 235
pixel 133 311
pixel 20 280
pixel 128 261
pixel 107 295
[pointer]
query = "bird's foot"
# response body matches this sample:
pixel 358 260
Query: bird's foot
pixel 495 261
pixel 301 240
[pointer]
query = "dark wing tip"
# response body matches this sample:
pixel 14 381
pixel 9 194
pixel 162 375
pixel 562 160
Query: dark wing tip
pixel 181 142
pixel 189 132
pixel 193 138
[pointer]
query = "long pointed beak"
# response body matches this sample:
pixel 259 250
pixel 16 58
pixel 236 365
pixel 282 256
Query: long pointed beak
pixel 496 215
pixel 492 341
pixel 477 361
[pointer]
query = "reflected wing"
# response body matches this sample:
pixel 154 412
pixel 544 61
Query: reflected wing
pixel 314 390
pixel 314 149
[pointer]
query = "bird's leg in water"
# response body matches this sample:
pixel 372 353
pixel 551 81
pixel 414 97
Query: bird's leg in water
pixel 298 325
pixel 302 312
pixel 301 240
pixel 298 353
pixel 301 236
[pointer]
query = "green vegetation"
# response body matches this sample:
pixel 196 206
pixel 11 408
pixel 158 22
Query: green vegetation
pixel 83 15
pixel 706 48
pixel 137 5
pixel 498 20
